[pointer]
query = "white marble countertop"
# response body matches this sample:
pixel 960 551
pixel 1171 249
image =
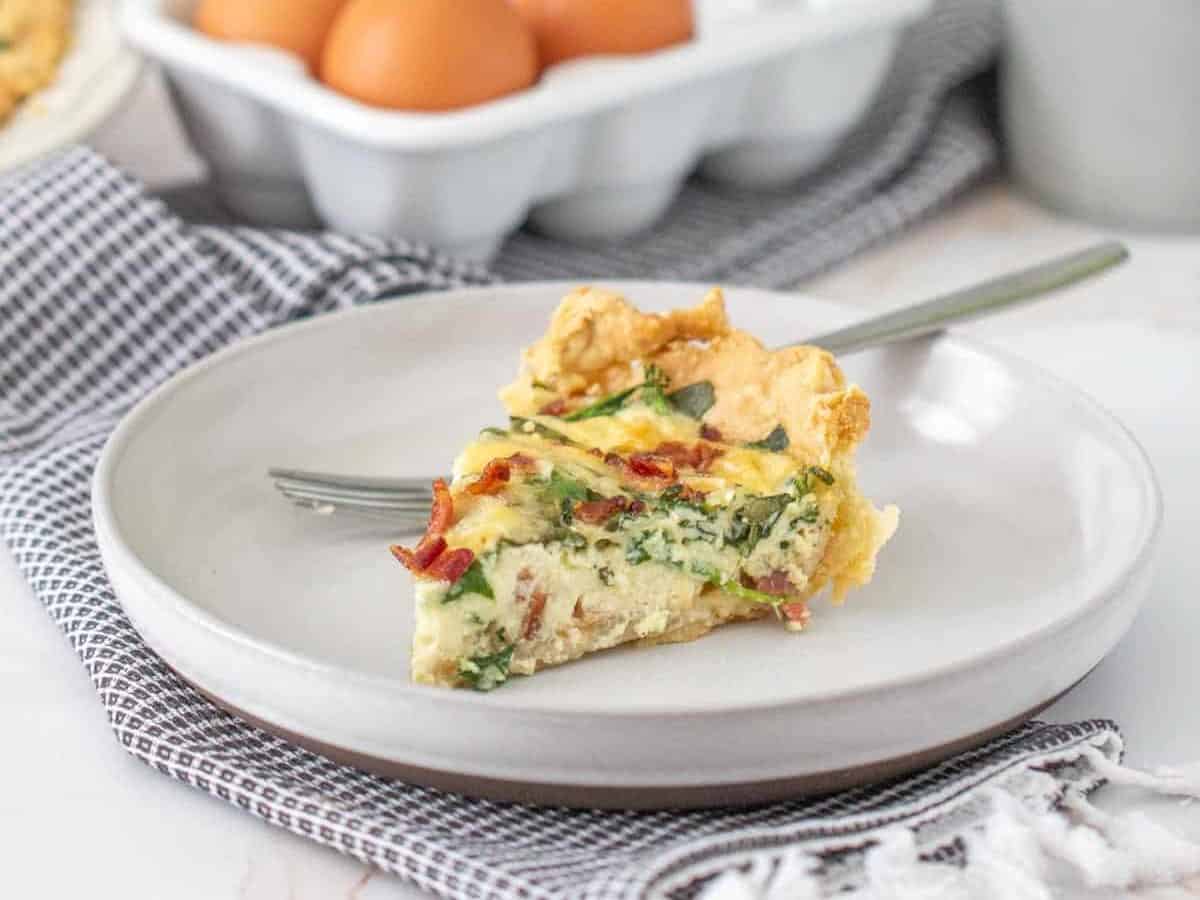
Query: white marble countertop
pixel 1131 339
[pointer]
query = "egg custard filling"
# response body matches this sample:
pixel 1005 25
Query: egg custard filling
pixel 659 475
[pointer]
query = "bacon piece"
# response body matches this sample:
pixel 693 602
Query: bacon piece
pixel 442 514
pixel 432 544
pixel 527 592
pixel 521 461
pixel 646 467
pixel 492 479
pixel 406 556
pixel 418 560
pixel 676 452
pixel 776 584
pixel 699 456
pixel 709 433
pixel 450 565
pixel 795 612
pixel 650 466
pixel 597 512
pixel 533 618
pixel 704 455
pixel 430 548
pixel 555 407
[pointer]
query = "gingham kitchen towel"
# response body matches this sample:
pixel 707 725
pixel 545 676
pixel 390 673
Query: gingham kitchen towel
pixel 103 294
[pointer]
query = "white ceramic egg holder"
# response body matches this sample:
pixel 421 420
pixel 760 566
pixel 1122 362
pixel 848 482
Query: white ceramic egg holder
pixel 597 149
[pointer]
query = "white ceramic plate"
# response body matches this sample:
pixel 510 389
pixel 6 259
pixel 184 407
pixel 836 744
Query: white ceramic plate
pixel 96 74
pixel 1029 517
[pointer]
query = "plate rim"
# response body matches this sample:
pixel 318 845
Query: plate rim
pixel 117 550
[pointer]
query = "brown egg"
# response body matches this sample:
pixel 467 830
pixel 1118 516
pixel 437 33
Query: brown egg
pixel 569 28
pixel 429 54
pixel 296 25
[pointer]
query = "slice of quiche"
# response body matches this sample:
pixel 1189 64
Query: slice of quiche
pixel 659 475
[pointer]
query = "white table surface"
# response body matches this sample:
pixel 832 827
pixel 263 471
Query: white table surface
pixel 78 816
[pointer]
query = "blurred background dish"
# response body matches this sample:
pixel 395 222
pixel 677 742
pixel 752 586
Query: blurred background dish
pixel 93 77
pixel 1101 104
pixel 33 37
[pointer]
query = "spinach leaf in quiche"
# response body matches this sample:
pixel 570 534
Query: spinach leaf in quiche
pixel 562 486
pixel 648 545
pixel 695 399
pixel 528 426
pixel 606 407
pixel 776 441
pixel 808 516
pixel 802 484
pixel 755 519
pixel 740 590
pixel 733 586
pixel 653 393
pixel 487 671
pixel 472 581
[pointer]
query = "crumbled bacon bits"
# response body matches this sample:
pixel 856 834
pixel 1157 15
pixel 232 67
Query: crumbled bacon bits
pixel 451 565
pixel 597 512
pixel 661 465
pixel 795 613
pixel 710 433
pixel 430 559
pixel 528 593
pixel 699 456
pixel 689 494
pixel 498 472
pixel 555 407
pixel 533 616
pixel 522 461
pixel 650 466
pixel 777 584
pixel 492 479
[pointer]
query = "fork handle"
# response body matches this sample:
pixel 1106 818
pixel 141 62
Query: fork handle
pixel 974 302
pixel 354 482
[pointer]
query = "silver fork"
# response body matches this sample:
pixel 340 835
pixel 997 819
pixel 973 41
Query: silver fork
pixel 405 501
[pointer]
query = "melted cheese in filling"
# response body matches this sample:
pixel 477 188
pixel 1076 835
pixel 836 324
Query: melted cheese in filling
pixel 669 573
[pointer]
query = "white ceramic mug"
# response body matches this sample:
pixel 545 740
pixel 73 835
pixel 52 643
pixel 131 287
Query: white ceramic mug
pixel 1101 107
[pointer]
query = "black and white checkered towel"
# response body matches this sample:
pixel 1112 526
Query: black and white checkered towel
pixel 104 293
